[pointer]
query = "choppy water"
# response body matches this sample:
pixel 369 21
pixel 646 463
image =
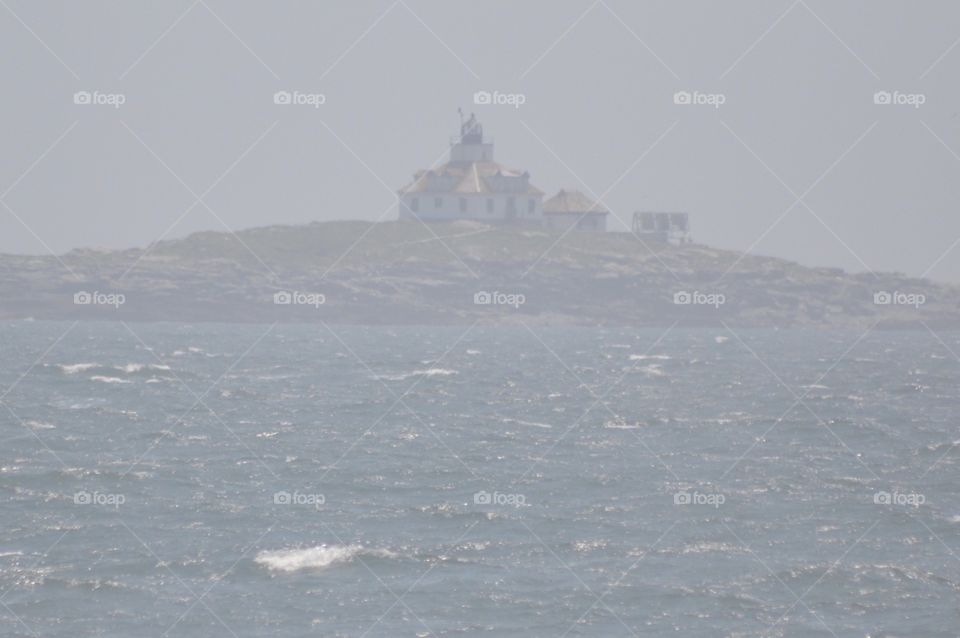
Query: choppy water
pixel 210 480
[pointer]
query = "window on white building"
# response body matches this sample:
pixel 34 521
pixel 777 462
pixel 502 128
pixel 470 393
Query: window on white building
pixel 490 205
pixel 414 204
pixel 437 202
pixel 463 204
pixel 531 206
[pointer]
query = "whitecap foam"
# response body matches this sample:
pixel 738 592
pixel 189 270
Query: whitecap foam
pixel 321 557
pixel 433 372
pixel 129 368
pixel 645 357
pixel 620 425
pixel 103 379
pixel 138 367
pixel 427 372
pixel 74 368
pixel 532 424
pixel 705 547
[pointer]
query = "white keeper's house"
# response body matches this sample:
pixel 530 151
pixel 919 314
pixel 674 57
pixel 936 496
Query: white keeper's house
pixel 472 186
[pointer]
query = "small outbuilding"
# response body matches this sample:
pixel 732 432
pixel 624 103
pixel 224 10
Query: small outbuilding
pixel 572 210
pixel 664 227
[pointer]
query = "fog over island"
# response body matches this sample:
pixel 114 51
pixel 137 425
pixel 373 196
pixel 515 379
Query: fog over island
pixel 420 318
pixel 798 118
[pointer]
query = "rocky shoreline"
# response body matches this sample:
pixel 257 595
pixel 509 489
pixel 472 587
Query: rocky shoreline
pixel 458 273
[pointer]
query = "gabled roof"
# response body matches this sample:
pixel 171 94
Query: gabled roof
pixel 567 202
pixel 471 178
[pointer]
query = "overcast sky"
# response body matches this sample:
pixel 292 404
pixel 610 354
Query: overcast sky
pixel 798 161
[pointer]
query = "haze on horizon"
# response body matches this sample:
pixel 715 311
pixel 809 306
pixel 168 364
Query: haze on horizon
pixel 798 162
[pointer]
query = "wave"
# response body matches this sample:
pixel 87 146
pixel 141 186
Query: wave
pixel 128 368
pixel 93 584
pixel 861 572
pixel 74 368
pixel 942 446
pixel 428 372
pixel 620 424
pixel 321 557
pixel 39 425
pixel 105 379
pixel 138 367
pixel 533 424
pixel 652 370
pixel 189 350
pixel 706 547
pixel 645 357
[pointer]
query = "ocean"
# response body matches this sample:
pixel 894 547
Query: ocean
pixel 293 480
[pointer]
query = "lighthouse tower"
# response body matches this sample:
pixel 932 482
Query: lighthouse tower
pixel 470 146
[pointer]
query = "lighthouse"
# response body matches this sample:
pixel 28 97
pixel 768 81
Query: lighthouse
pixel 472 186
